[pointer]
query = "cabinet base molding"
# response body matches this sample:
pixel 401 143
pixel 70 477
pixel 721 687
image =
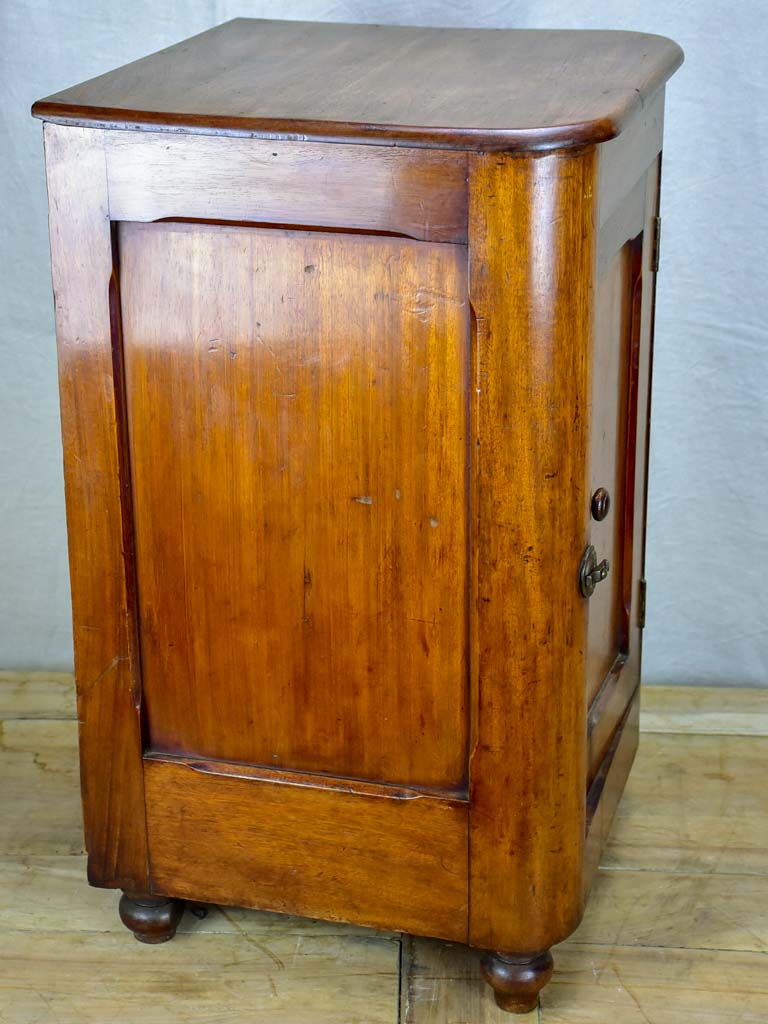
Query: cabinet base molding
pixel 517 980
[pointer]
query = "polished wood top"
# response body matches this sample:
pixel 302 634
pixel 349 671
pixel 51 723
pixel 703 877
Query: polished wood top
pixel 503 89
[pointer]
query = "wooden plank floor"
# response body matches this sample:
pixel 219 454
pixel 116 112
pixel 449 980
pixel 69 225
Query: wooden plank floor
pixel 676 930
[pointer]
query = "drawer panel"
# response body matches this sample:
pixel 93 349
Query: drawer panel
pixel 608 785
pixel 606 712
pixel 297 845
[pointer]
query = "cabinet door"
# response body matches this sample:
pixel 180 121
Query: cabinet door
pixel 613 458
pixel 296 406
pixel 619 444
pixel 266 448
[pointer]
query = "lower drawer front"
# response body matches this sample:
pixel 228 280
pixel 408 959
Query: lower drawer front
pixel 395 862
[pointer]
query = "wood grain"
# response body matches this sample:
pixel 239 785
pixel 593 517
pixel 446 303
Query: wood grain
pixel 49 695
pixel 87 978
pixel 606 712
pixel 593 983
pixel 659 909
pixel 390 863
pixel 699 798
pixel 532 306
pixel 333 416
pixel 606 788
pixel 441 982
pixel 626 985
pixel 725 710
pixel 619 455
pixel 627 221
pixel 694 803
pixel 729 711
pixel 39 799
pixel 100 550
pixel 612 383
pixel 49 893
pixel 380 84
pixel 411 192
pixel 297 408
pixel 626 160
pixel 291 777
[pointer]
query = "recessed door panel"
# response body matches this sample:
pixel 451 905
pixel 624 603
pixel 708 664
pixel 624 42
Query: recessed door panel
pixel 613 458
pixel 298 445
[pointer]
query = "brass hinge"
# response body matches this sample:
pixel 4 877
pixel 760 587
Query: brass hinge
pixel 656 244
pixel 641 605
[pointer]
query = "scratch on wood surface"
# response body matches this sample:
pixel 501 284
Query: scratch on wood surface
pixel 86 687
pixel 630 993
pixel 261 946
pixel 425 301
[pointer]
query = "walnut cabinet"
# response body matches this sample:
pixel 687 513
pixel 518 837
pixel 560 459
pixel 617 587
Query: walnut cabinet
pixel 355 329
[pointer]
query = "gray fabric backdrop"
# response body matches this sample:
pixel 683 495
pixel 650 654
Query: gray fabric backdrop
pixel 708 529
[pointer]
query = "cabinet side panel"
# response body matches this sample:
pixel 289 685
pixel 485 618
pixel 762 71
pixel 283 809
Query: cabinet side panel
pixel 532 258
pixel 104 626
pixel 625 159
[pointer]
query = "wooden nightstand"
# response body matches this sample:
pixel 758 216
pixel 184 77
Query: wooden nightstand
pixel 355 330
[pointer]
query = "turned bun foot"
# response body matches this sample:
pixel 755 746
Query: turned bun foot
pixel 151 919
pixel 517 980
